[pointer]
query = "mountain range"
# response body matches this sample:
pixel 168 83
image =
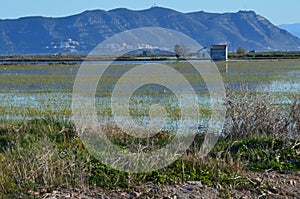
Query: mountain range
pixel 292 28
pixel 79 34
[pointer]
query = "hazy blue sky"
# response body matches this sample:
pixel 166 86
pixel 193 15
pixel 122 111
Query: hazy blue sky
pixel 277 11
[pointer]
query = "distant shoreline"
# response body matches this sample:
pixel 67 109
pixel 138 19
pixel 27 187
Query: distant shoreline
pixel 75 59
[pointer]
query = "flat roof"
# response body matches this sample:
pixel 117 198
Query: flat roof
pixel 218 47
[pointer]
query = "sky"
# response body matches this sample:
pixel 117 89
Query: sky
pixel 277 11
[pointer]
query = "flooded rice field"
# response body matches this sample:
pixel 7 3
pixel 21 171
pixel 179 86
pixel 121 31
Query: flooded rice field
pixel 30 91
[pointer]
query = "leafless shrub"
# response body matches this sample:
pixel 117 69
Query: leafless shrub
pixel 260 114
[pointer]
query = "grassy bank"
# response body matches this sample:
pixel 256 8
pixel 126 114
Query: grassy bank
pixel 46 153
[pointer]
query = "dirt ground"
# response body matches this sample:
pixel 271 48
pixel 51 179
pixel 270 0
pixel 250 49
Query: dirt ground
pixel 267 185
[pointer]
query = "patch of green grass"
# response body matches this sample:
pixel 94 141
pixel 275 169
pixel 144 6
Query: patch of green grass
pixel 50 145
pixel 260 153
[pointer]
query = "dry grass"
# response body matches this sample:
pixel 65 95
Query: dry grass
pixel 35 163
pixel 261 114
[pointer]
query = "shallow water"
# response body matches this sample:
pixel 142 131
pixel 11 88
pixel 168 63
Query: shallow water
pixel 36 89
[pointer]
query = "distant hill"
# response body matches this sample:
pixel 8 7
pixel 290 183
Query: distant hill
pixel 80 33
pixel 292 28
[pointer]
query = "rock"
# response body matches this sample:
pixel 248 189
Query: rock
pixel 293 182
pixel 199 183
pixel 258 179
pixel 189 188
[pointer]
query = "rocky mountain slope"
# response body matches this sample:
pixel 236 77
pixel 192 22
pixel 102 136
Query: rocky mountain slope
pixel 80 33
pixel 292 28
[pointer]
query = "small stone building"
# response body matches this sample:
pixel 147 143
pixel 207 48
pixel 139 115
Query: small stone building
pixel 219 52
pixel 62 54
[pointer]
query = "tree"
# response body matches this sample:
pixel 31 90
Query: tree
pixel 178 51
pixel 241 50
pixel 181 51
